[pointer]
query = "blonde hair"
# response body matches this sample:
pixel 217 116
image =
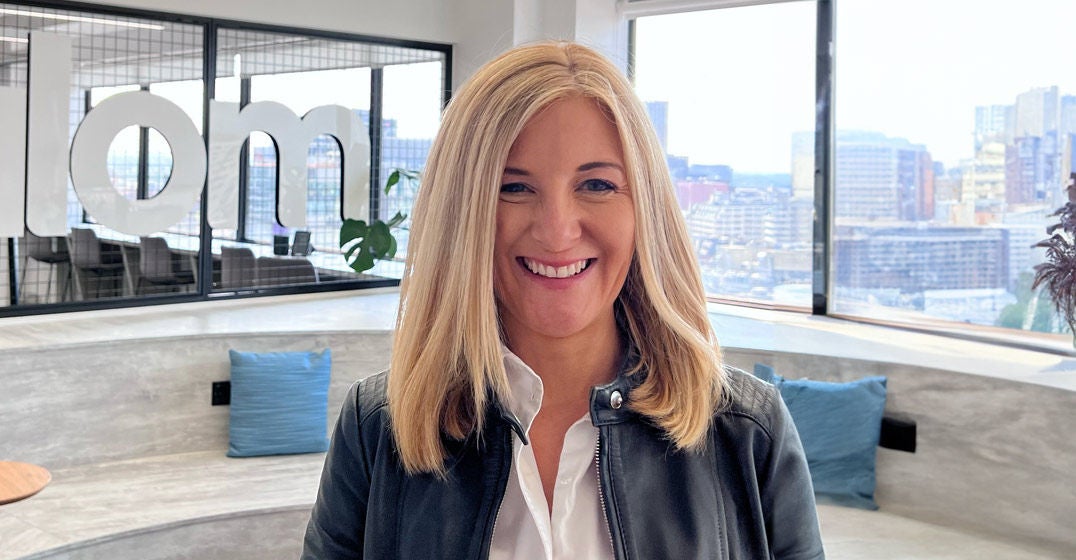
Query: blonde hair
pixel 446 360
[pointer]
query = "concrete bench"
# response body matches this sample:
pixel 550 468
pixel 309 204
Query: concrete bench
pixel 137 452
pixel 991 476
pixel 117 405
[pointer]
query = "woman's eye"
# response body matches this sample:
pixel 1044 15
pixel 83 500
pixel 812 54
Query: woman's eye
pixel 598 185
pixel 509 188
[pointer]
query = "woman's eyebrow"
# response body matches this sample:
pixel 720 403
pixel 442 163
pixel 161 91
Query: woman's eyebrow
pixel 600 165
pixel 585 167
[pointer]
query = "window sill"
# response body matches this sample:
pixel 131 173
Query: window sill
pixel 375 310
pixel 801 333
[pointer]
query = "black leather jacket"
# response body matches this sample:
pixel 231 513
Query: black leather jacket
pixel 747 496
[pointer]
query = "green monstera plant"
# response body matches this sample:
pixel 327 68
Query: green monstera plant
pixel 1058 273
pixel 363 244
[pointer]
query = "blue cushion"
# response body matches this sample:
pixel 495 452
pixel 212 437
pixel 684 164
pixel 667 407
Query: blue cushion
pixel 839 425
pixel 766 373
pixel 279 403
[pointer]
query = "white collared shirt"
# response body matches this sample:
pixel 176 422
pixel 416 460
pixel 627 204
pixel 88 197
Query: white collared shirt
pixel 525 528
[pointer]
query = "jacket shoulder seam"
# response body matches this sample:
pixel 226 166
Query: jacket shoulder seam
pixel 371 395
pixel 751 398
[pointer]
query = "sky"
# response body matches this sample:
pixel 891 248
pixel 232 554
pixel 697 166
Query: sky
pixel 739 81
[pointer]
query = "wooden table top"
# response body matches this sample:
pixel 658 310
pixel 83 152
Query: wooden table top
pixel 19 481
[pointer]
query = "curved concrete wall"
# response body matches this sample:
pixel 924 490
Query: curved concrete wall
pixel 263 535
pixel 94 402
pixel 993 456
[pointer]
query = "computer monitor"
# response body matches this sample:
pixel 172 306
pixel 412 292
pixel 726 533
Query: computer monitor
pixel 301 245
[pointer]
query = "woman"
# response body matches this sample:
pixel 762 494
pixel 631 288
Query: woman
pixel 555 390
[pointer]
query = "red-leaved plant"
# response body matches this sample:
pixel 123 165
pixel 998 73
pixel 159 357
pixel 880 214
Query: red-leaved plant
pixel 1058 273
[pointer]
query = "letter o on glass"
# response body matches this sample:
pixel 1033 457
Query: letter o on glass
pixel 89 163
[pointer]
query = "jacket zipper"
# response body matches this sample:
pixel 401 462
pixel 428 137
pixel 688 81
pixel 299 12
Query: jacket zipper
pixel 497 515
pixel 601 493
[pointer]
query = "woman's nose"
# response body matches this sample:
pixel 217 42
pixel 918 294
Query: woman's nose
pixel 558 223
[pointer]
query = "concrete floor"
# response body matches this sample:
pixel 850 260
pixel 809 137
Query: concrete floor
pixel 851 534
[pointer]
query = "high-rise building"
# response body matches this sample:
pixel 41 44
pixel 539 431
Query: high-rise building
pixel 913 259
pixel 984 176
pixel 1068 114
pixel 1037 112
pixel 994 123
pixel 659 117
pixel 1025 229
pixel 882 178
pixel 1024 170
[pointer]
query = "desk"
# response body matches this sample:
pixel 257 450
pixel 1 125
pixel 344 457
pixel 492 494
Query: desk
pixel 327 263
pixel 19 481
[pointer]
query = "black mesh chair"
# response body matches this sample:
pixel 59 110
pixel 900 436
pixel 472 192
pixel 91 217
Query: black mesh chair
pixel 237 266
pixel 51 251
pixel 92 267
pixel 158 267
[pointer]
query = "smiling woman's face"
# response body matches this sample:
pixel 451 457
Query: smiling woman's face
pixel 565 225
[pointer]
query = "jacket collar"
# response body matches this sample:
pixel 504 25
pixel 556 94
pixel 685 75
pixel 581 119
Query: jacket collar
pixel 608 402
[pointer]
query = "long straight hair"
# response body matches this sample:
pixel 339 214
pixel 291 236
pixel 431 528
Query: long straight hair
pixel 446 359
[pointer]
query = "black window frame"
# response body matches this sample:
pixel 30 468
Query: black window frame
pixel 210 28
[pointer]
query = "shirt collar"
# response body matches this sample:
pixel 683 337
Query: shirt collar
pixel 525 389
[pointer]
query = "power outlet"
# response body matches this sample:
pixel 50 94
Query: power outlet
pixel 222 393
pixel 898 432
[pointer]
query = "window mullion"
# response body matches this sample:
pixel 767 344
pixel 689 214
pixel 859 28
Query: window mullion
pixel 823 156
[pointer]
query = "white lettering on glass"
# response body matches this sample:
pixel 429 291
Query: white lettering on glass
pixel 12 169
pixel 47 114
pixel 229 127
pixel 89 169
pixel 42 182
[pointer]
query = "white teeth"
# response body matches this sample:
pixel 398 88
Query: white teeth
pixel 555 272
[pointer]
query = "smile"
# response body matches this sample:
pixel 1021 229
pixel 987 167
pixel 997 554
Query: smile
pixel 547 271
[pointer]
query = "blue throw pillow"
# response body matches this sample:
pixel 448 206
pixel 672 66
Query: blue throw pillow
pixel 767 374
pixel 279 403
pixel 839 425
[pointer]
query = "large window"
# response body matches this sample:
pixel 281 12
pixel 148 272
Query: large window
pixel 389 92
pixel 955 127
pixel 951 141
pixel 729 92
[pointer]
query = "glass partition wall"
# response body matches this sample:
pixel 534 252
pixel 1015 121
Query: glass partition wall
pixel 158 206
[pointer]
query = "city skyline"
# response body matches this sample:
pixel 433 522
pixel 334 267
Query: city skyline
pixel 914 69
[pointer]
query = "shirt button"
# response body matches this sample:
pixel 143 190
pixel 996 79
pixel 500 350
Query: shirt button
pixel 616 400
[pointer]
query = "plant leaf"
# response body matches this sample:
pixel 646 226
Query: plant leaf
pixel 352 230
pixel 397 219
pixel 380 239
pixel 363 262
pixel 391 253
pixel 351 250
pixel 394 178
